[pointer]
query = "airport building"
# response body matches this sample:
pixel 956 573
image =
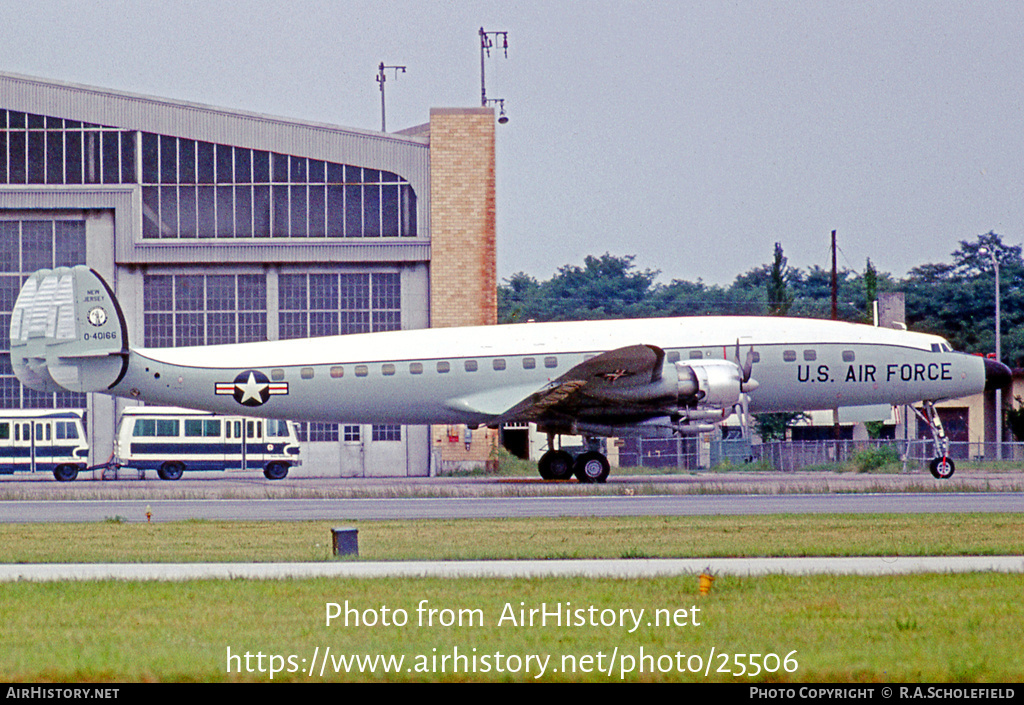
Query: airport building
pixel 222 226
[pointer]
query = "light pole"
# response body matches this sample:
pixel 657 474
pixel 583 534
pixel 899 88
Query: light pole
pixel 486 44
pixel 999 357
pixel 381 79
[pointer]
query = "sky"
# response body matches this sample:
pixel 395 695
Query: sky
pixel 691 135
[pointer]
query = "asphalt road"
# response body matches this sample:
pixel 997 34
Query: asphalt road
pixel 134 510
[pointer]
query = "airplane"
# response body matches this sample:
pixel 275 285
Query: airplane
pixel 649 377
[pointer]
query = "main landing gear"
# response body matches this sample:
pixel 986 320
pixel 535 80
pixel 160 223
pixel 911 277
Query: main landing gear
pixel 942 467
pixel 591 466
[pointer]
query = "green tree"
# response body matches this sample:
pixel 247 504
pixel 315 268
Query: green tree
pixel 779 298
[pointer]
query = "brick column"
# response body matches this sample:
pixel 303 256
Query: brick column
pixel 463 267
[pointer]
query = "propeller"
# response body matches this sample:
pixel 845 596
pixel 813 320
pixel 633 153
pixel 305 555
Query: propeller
pixel 747 385
pixel 746 368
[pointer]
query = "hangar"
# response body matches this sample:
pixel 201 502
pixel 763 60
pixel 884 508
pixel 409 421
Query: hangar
pixel 223 226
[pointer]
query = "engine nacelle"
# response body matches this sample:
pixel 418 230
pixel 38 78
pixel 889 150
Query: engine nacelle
pixel 710 383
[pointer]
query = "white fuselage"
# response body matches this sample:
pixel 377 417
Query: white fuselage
pixel 472 375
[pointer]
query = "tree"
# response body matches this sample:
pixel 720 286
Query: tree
pixel 870 289
pixel 779 299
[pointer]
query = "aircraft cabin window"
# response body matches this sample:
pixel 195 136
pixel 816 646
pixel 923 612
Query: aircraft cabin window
pixel 550 362
pixel 789 355
pixel 277 375
pixel 443 367
pixel 848 356
pixel 498 364
pixel 362 370
pixel 470 365
pixel 416 368
pixel 673 356
pixel 307 373
pixel 529 363
pixel 387 369
pixel 337 372
pixel 810 355
pixel 936 347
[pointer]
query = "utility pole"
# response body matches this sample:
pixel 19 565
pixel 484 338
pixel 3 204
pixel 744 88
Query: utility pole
pixel 381 78
pixel 835 281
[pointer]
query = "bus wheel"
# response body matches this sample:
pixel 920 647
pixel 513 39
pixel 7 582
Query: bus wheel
pixel 276 471
pixel 170 471
pixel 65 473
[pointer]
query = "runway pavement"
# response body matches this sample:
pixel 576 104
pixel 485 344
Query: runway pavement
pixel 614 568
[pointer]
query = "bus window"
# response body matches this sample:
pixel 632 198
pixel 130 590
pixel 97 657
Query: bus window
pixel 66 430
pixel 204 428
pixel 167 427
pixel 144 427
pixel 277 428
pixel 5 431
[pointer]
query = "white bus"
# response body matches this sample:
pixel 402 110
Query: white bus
pixel 171 441
pixel 43 440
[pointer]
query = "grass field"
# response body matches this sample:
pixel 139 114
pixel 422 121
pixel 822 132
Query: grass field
pixel 936 628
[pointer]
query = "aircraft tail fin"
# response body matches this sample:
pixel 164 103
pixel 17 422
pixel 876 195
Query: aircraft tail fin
pixel 68 332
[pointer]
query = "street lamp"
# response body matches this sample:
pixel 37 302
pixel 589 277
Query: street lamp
pixel 999 357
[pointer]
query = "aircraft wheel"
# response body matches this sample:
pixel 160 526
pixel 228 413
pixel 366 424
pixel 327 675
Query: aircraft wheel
pixel 592 467
pixel 170 471
pixel 942 468
pixel 276 471
pixel 555 465
pixel 65 473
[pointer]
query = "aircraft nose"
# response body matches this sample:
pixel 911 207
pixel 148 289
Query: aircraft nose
pixel 997 375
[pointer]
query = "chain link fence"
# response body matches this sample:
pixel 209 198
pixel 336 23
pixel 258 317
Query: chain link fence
pixel 790 456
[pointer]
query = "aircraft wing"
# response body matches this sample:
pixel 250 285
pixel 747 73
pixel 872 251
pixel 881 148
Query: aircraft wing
pixel 622 382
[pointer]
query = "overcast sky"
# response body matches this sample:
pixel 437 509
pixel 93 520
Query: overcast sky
pixel 693 135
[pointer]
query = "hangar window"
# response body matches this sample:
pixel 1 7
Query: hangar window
pixel 36 149
pixel 195 189
pixel 312 305
pixel 386 432
pixel 200 309
pixel 25 246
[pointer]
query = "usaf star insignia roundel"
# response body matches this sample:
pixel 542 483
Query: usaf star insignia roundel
pixel 251 388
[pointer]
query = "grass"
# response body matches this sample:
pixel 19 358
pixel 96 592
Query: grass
pixel 917 628
pixel 114 540
pixel 927 628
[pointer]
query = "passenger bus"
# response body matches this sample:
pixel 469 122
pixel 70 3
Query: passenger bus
pixel 43 440
pixel 171 441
